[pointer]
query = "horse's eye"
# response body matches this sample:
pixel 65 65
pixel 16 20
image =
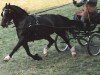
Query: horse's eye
pixel 9 12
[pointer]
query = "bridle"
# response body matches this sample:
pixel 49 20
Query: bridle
pixel 9 22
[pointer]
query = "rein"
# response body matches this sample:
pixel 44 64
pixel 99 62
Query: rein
pixel 89 16
pixel 54 26
pixel 38 24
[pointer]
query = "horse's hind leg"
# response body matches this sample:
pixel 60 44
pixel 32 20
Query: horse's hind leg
pixel 51 41
pixel 64 36
pixel 35 57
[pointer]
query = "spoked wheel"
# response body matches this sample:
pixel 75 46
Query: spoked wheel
pixel 94 44
pixel 83 41
pixel 60 44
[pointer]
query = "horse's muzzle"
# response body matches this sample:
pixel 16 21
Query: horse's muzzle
pixel 4 25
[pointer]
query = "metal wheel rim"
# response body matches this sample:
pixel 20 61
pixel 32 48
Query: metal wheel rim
pixel 93 45
pixel 61 43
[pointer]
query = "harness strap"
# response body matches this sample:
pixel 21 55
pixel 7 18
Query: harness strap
pixel 36 18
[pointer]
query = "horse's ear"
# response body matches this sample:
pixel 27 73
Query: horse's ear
pixel 9 4
pixel 6 4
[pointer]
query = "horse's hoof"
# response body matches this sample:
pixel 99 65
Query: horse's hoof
pixel 7 58
pixel 74 55
pixel 37 57
pixel 73 52
pixel 45 52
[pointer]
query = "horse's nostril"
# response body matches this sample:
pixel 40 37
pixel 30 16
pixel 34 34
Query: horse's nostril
pixel 3 25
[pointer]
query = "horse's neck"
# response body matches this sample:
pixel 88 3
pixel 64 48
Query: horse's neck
pixel 18 19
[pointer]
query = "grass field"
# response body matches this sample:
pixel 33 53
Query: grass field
pixel 55 64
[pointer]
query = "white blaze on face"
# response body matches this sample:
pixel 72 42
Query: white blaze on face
pixel 3 13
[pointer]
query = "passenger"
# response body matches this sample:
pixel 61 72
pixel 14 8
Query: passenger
pixel 89 7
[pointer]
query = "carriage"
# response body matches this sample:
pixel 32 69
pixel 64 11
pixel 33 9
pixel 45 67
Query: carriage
pixel 89 37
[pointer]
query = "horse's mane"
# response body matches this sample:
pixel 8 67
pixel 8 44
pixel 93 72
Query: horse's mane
pixel 18 10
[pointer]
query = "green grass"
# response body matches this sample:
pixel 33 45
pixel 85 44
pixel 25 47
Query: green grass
pixel 55 64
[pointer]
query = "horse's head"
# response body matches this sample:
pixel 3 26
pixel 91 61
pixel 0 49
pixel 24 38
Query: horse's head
pixel 6 15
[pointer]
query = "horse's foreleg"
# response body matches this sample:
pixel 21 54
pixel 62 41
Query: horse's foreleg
pixel 35 57
pixel 20 42
pixel 51 41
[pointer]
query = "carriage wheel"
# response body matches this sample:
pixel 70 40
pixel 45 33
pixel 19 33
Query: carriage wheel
pixel 83 41
pixel 94 44
pixel 60 44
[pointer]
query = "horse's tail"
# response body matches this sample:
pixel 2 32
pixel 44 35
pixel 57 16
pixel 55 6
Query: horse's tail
pixel 76 24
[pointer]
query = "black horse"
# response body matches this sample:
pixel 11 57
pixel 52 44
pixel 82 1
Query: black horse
pixel 32 27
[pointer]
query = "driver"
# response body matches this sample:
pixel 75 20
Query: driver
pixel 89 6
